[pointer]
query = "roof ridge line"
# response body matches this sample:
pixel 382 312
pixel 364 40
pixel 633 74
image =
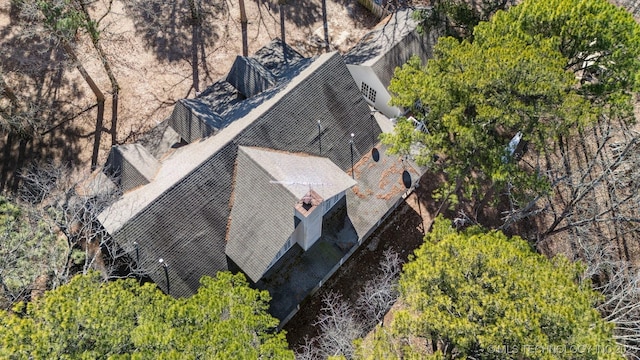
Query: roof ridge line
pixel 212 144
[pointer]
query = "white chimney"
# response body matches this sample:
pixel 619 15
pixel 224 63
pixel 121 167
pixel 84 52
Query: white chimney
pixel 309 211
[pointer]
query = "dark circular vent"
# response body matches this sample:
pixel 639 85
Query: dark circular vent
pixel 406 179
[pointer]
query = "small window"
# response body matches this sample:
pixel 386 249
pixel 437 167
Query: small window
pixel 368 92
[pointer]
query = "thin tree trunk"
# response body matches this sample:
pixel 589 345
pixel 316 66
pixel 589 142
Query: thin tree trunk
pixel 114 114
pixel 284 49
pixel 195 41
pixel 100 99
pixel 325 25
pixel 7 161
pixel 115 87
pixel 22 126
pixel 115 90
pixel 244 23
pixel 22 150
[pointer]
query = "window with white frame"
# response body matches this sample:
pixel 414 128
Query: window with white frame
pixel 328 204
pixel 368 92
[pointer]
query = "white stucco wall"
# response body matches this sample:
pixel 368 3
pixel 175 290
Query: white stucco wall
pixel 310 227
pixel 365 74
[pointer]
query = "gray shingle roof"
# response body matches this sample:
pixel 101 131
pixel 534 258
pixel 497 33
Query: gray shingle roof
pixel 192 119
pixel 267 186
pixel 298 172
pixel 271 56
pixel 250 82
pixel 249 76
pixel 183 215
pixel 390 45
pixel 132 165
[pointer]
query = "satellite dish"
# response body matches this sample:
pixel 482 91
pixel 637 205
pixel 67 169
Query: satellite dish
pixel 375 154
pixel 406 179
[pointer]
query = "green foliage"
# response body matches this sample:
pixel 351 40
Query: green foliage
pixel 541 68
pixel 381 343
pixel 27 251
pixel 459 17
pixel 89 319
pixel 599 41
pixel 482 295
pixel 61 17
pixel 478 98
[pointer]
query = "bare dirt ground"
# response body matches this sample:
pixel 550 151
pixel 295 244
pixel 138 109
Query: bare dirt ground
pixel 152 52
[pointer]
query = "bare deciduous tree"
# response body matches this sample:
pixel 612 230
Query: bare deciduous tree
pixel 93 28
pixel 71 204
pixel 338 327
pixel 340 323
pixel 622 307
pixel 619 282
pixel 381 292
pixel 59 21
pixel 594 189
pixel 307 351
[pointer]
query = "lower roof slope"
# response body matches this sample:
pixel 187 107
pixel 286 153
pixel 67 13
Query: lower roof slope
pixel 182 216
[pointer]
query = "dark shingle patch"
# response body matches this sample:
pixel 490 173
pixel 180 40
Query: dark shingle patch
pixel 271 56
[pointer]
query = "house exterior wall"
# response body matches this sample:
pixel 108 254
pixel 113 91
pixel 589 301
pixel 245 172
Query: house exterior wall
pixel 329 203
pixel 365 74
pixel 309 230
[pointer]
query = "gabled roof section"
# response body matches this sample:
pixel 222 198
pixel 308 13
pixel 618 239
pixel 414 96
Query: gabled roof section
pixel 261 219
pixel 249 76
pixel 192 119
pixel 390 45
pixel 251 81
pixel 132 165
pixel 182 215
pixel 300 172
pixel 268 184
